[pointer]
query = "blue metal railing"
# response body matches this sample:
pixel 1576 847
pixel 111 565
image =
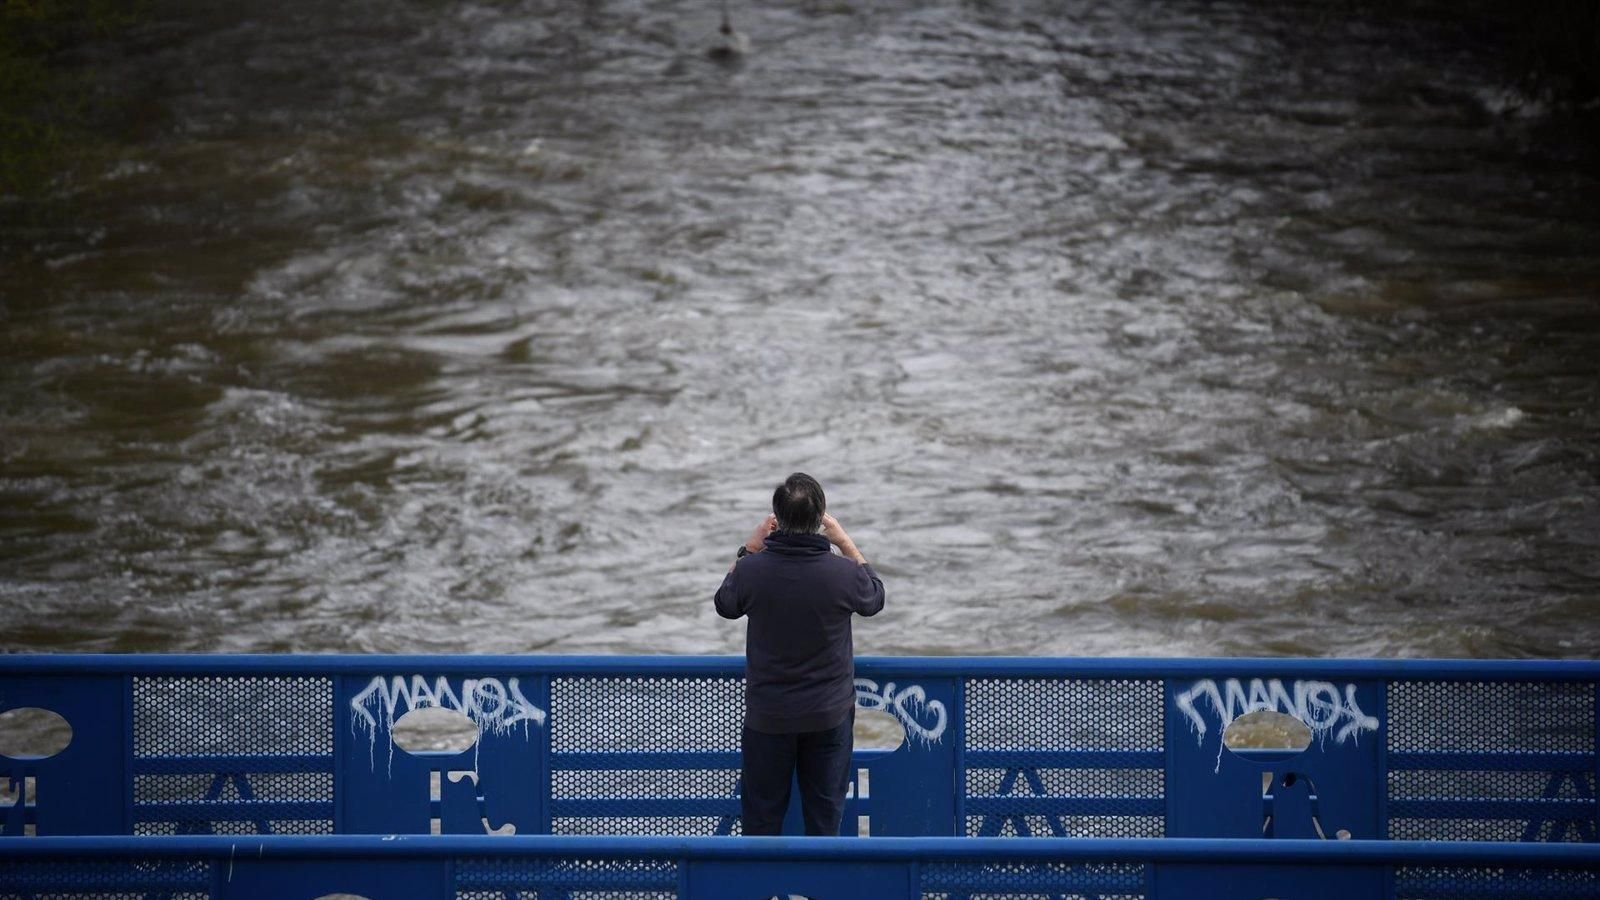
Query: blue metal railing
pixel 1500 754
pixel 1464 750
pixel 229 868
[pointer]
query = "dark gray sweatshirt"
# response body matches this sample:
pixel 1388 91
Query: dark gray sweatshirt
pixel 799 656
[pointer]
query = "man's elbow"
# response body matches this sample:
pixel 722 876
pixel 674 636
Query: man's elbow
pixel 726 607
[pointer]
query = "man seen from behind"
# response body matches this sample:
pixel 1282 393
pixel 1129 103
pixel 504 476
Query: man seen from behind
pixel 799 657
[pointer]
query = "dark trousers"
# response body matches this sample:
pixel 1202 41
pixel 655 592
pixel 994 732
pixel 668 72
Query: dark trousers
pixel 818 760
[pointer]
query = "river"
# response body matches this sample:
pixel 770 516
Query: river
pixel 1111 328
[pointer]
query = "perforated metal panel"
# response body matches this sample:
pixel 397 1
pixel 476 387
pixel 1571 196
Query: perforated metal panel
pixel 1044 881
pixel 1447 882
pixel 1047 724
pixel 645 714
pixel 661 787
pixel 104 879
pixel 233 755
pixel 562 894
pixel 1491 716
pixel 1063 714
pixel 665 740
pixel 1491 761
pixel 567 879
pixel 231 716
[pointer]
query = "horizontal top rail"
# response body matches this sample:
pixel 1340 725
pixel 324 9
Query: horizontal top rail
pixel 884 666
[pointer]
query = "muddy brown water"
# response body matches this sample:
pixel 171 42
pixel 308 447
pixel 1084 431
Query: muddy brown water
pixel 1111 328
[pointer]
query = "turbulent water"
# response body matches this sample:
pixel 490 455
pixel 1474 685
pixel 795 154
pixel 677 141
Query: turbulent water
pixel 1111 328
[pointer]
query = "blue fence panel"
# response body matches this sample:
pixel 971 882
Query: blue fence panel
pixel 656 754
pixel 498 785
pixel 1039 748
pixel 1507 760
pixel 911 787
pixel 1331 786
pixel 1064 757
pixel 226 754
pixel 81 789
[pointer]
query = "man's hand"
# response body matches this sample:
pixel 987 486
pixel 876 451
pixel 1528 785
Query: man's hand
pixel 835 533
pixel 758 538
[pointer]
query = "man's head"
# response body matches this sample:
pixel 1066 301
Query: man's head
pixel 799 504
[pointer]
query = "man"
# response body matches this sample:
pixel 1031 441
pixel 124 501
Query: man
pixel 799 684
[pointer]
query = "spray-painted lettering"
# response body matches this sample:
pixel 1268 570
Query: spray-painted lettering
pixel 923 719
pixel 1319 704
pixel 495 707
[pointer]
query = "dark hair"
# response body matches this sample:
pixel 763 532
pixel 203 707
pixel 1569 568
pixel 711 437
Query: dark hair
pixel 799 504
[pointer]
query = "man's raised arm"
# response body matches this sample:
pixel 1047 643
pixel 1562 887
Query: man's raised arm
pixel 727 597
pixel 867 598
pixel 730 604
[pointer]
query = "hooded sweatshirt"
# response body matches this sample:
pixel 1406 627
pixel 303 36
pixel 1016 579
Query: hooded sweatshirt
pixel 799 655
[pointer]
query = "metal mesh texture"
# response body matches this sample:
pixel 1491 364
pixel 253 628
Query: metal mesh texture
pixel 227 788
pixel 1065 715
pixel 1446 828
pixel 233 826
pixel 634 715
pixel 1443 882
pixel 1065 826
pixel 628 714
pixel 567 879
pixel 1489 717
pixel 104 879
pixel 1025 895
pixel 220 719
pixel 563 894
pixel 1122 783
pixel 674 826
pixel 1481 785
pixel 228 716
pixel 655 784
pixel 1045 881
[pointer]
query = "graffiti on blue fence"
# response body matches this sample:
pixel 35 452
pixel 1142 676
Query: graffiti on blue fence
pixel 1319 704
pixel 496 707
pixel 923 719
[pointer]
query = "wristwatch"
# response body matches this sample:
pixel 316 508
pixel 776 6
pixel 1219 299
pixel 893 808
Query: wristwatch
pixel 743 552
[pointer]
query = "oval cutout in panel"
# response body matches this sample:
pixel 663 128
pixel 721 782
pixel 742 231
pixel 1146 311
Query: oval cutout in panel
pixel 878 730
pixel 434 730
pixel 1267 734
pixel 341 896
pixel 29 732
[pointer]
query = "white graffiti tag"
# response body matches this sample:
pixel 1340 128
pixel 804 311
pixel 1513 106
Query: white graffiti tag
pixel 1316 703
pixel 495 707
pixel 923 719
